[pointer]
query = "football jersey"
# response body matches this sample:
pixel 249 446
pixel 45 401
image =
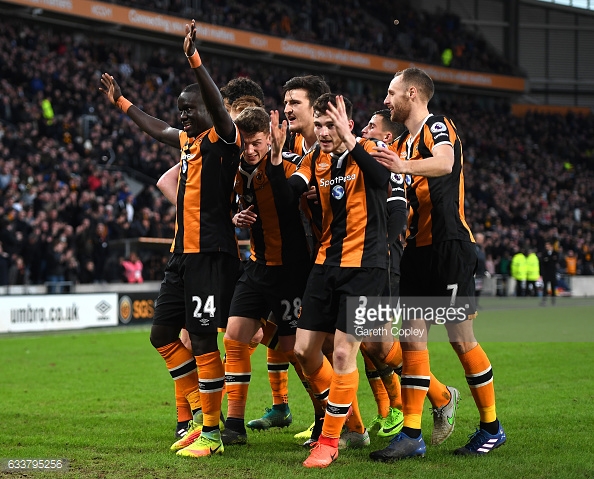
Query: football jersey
pixel 205 194
pixel 310 209
pixel 277 236
pixel 353 229
pixel 436 204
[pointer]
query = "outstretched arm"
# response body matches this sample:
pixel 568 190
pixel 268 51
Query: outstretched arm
pixel 158 129
pixel 440 164
pixel 211 95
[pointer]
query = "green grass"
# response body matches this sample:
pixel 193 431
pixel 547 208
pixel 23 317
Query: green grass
pixel 104 400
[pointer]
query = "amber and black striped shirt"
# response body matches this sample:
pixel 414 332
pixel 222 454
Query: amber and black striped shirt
pixel 277 236
pixel 353 191
pixel 205 196
pixel 437 204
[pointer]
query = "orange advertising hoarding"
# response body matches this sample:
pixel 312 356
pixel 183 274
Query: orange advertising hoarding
pixel 167 24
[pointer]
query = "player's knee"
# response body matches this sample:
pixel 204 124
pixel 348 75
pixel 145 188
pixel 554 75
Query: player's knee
pixel 463 347
pixel 162 336
pixel 301 353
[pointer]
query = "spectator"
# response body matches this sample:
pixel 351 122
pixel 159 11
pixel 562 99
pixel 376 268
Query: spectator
pixel 570 263
pixel 56 266
pixel 4 266
pixel 18 274
pixel 132 268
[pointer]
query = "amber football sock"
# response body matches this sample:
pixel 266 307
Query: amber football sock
pixel 343 391
pixel 415 384
pixel 479 377
pixel 278 375
pixel 238 371
pixel 211 379
pixel 182 368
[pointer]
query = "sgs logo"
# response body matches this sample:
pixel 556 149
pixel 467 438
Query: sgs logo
pixel 143 309
pixel 138 309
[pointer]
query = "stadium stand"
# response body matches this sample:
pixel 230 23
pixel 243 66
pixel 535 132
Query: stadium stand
pixel 68 162
pixel 351 26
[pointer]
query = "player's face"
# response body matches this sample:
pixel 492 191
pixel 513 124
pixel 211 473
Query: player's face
pixel 192 113
pixel 327 135
pixel 299 111
pixel 255 147
pixel 373 129
pixel 398 100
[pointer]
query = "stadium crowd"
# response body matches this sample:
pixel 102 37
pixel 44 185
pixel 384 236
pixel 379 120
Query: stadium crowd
pixel 351 26
pixel 65 156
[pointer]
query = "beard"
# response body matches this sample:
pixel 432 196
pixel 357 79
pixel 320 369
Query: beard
pixel 400 113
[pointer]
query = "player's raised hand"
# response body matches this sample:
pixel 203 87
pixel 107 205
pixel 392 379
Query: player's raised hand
pixel 339 117
pixel 190 38
pixel 110 89
pixel 278 135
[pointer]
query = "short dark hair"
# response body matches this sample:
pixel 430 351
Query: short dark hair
pixel 315 86
pixel 320 106
pixel 193 88
pixel 241 86
pixel 252 120
pixel 414 76
pixel 387 124
pixel 247 100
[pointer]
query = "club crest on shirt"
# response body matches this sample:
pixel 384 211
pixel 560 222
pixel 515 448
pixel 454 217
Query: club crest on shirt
pixel 259 180
pixel 337 192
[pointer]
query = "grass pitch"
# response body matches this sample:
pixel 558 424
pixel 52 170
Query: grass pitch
pixel 103 400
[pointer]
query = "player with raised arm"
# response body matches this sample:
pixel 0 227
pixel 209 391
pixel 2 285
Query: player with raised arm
pixel 351 260
pixel 201 273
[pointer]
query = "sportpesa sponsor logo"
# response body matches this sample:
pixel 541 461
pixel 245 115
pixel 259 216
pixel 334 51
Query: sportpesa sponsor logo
pixel 335 181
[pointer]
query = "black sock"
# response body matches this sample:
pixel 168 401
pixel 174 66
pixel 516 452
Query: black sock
pixel 235 424
pixel 491 427
pixel 317 430
pixel 411 432
pixel 182 425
